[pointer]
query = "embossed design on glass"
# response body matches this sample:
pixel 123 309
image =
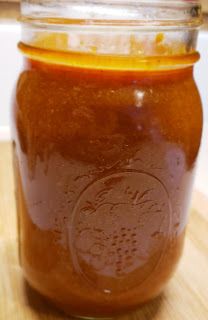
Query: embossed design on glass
pixel 111 220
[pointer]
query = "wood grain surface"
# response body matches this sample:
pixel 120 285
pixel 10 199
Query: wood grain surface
pixel 185 298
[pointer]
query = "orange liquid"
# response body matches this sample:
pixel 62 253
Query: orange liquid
pixel 104 164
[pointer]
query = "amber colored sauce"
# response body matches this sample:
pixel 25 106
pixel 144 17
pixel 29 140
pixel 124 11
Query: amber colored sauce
pixel 104 164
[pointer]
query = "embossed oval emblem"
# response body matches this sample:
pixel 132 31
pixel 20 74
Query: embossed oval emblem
pixel 120 229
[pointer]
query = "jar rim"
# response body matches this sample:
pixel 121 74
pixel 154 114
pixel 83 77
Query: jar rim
pixel 107 28
pixel 142 13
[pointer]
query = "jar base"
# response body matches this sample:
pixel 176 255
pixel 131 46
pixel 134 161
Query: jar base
pixel 43 304
pixel 91 318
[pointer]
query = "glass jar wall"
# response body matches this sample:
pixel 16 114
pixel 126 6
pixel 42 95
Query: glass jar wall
pixel 107 125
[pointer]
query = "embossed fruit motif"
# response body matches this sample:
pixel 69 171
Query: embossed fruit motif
pixel 111 219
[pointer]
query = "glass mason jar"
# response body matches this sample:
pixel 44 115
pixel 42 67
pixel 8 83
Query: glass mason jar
pixel 107 124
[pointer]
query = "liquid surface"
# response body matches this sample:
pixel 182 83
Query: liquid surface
pixel 104 168
pixel 163 58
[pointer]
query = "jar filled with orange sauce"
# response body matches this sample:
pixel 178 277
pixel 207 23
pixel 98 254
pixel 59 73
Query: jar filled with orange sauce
pixel 107 123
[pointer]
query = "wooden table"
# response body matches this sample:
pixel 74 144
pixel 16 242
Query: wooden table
pixel 185 298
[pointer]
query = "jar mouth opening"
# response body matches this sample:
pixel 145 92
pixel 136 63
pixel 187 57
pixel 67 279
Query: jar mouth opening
pixel 143 14
pixel 131 29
